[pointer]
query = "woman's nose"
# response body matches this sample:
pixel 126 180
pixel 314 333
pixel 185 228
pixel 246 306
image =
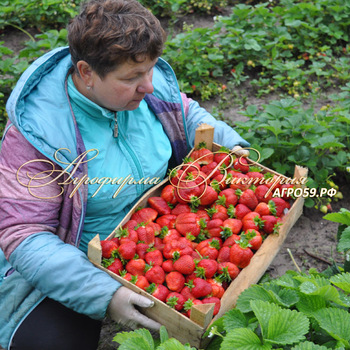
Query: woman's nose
pixel 146 86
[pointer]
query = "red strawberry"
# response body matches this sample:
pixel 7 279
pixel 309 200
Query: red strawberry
pixel 175 175
pixel 168 194
pixel 169 235
pixel 227 197
pixel 234 224
pixel 214 228
pixel 266 208
pixel 213 300
pixel 127 250
pixel 202 155
pixel 261 193
pixel 141 249
pixel 145 233
pixel 224 254
pixel 252 220
pixel 199 287
pixel 255 239
pixel 280 205
pixel 189 165
pixel 206 268
pixel 144 215
pixel 175 300
pixel 116 266
pixel 237 180
pixel 223 157
pixel 136 267
pixel 240 255
pixel 231 240
pixel 154 257
pixel 158 291
pixel 188 305
pixel 218 211
pixel 241 210
pixel 212 169
pixel 241 164
pixel 141 282
pixel 188 223
pixel 217 288
pixel 127 234
pixel 186 292
pixel 271 224
pixel 228 271
pixel 155 274
pixel 167 266
pixel 109 248
pixel 181 208
pixel 167 220
pixel 208 197
pixel 203 215
pixel 159 204
pixel 175 281
pixel 180 247
pixel 210 248
pixel 248 198
pixel 185 265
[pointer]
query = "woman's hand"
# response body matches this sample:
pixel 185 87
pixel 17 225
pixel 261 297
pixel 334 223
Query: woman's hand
pixel 239 151
pixel 122 309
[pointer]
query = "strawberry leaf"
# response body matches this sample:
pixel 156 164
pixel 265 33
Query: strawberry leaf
pixel 243 339
pixel 255 292
pixel 307 345
pixel 344 241
pixel 308 304
pixel 163 334
pixel 342 281
pixel 280 326
pixel 336 322
pixel 236 319
pixel 173 344
pixel 140 339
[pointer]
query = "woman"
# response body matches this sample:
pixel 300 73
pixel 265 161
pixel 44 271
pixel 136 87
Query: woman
pixel 106 107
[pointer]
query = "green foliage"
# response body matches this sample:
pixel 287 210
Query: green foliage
pixel 44 14
pixel 295 47
pixel 287 134
pixel 141 339
pixel 312 315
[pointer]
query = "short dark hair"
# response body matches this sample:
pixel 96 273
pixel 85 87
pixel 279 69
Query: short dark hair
pixel 107 33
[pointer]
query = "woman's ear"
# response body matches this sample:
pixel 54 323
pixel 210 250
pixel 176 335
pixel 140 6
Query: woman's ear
pixel 85 73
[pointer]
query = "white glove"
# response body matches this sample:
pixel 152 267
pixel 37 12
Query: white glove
pixel 121 309
pixel 239 151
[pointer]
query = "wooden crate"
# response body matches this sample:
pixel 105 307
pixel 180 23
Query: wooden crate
pixel 192 330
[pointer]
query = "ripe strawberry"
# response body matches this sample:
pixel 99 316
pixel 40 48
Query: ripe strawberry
pixel 155 274
pixel 175 300
pixel 255 175
pixel 228 271
pixel 237 180
pixel 109 248
pixel 241 164
pixel 224 253
pixel 180 247
pixel 213 228
pixel 127 250
pixel 141 249
pixel 167 266
pixel 266 208
pixel 208 197
pixel 252 220
pixel 186 292
pixel 189 165
pixel 213 300
pixel 116 266
pixel 159 244
pixel 223 157
pixel 203 215
pixel 145 233
pixel 210 248
pixel 271 224
pixel 218 211
pixel 188 223
pixel 202 155
pixel 231 240
pixel 285 196
pixel 169 235
pixel 188 305
pixel 248 198
pixel 175 281
pixel 240 254
pixel 127 234
pixel 175 175
pixel 261 193
pixel 212 169
pixel 206 268
pixel 255 238
pixel 181 208
pixel 144 215
pixel 217 287
pixel 227 197
pixel 159 204
pixel 168 194
pixel 235 225
pixel 241 210
pixel 280 205
pixel 136 267
pixel 141 282
pixel 167 220
pixel 154 257
pixel 185 265
pixel 158 291
pixel 199 287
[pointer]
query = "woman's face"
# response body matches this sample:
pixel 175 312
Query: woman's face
pixel 124 88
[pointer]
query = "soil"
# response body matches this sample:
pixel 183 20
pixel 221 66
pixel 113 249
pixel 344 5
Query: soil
pixel 312 240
